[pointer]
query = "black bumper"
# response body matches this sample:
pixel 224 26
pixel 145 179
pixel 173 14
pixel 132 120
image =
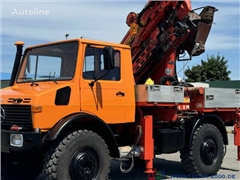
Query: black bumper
pixel 30 140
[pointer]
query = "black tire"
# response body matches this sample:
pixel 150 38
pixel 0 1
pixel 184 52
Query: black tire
pixel 27 167
pixel 206 153
pixel 165 79
pixel 81 155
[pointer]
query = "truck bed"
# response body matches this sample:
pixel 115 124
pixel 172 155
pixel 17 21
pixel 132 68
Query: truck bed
pixel 199 97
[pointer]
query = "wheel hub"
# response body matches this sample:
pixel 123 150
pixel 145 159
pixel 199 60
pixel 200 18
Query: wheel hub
pixel 208 151
pixel 84 164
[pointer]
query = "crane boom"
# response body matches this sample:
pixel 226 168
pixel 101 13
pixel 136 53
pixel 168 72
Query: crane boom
pixel 160 33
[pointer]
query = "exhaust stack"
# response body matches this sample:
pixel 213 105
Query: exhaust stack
pixel 19 45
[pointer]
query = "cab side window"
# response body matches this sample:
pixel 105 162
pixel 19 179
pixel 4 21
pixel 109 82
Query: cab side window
pixel 94 66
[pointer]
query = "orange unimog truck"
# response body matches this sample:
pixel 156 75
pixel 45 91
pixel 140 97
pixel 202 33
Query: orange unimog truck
pixel 73 105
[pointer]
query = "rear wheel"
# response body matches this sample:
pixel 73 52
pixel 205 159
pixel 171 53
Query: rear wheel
pixel 206 153
pixel 81 155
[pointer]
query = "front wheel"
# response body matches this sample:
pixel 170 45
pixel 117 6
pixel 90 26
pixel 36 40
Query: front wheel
pixel 206 153
pixel 81 155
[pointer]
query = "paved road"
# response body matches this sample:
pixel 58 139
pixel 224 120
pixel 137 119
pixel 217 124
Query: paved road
pixel 171 166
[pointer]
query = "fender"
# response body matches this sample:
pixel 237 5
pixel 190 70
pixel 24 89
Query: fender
pixel 81 119
pixel 56 130
pixel 212 119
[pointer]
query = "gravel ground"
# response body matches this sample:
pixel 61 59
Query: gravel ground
pixel 169 165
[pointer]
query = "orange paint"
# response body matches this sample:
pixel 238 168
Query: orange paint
pixel 147 143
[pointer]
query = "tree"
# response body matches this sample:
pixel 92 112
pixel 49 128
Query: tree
pixel 213 69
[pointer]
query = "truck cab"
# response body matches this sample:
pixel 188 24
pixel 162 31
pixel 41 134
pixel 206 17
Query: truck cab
pixel 66 85
pixel 54 79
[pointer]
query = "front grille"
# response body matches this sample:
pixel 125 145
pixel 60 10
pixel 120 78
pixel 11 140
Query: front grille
pixel 19 115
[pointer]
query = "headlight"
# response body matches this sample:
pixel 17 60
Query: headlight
pixel 16 140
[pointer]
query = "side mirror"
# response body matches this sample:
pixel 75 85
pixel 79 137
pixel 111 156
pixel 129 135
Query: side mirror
pixel 108 53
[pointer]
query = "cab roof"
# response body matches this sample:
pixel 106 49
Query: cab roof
pixel 83 40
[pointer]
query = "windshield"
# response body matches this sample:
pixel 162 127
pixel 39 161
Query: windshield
pixel 52 62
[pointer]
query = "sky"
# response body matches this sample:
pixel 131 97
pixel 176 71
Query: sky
pixel 37 22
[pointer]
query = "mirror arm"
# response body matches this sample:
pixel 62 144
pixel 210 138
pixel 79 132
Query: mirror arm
pixel 91 84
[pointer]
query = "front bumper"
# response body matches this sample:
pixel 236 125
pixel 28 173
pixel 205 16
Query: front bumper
pixel 30 140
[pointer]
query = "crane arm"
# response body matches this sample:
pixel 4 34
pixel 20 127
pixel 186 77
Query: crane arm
pixel 161 32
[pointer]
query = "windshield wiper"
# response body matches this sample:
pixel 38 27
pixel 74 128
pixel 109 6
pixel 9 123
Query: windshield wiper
pixel 54 81
pixel 25 78
pixel 49 77
pixel 29 78
pixel 46 77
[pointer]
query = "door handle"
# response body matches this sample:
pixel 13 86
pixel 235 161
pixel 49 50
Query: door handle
pixel 119 93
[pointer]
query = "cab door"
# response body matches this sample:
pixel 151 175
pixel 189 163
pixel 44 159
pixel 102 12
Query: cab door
pixel 107 98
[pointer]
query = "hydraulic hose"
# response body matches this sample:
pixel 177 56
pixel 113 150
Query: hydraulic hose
pixel 131 152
